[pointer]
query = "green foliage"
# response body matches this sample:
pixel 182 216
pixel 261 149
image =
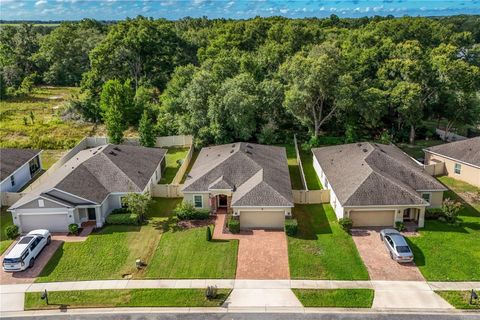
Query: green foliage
pixel 433 213
pixel 186 211
pixel 123 218
pixel 345 223
pixel 209 234
pixel 145 131
pixel 233 225
pixel 400 226
pixel 451 209
pixel 73 228
pixel 116 102
pixel 11 231
pixel 120 211
pixel 137 203
pixel 291 227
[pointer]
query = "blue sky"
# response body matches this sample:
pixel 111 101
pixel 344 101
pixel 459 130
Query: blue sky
pixel 175 9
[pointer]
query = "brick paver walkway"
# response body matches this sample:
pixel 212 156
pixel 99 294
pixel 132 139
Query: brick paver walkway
pixel 262 254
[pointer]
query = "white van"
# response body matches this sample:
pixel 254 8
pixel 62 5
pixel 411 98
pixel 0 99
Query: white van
pixel 26 250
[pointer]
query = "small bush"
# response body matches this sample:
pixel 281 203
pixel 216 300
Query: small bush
pixel 211 292
pixel 233 225
pixel 433 214
pixel 73 228
pixel 209 234
pixel 451 209
pixel 346 223
pixel 11 232
pixel 291 227
pixel 186 211
pixel 400 226
pixel 123 218
pixel 120 211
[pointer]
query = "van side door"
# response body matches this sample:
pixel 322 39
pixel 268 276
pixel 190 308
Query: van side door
pixel 35 247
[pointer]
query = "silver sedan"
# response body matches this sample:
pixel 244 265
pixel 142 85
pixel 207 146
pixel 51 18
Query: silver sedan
pixel 397 245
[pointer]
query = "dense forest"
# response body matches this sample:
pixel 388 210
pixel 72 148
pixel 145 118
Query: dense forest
pixel 260 79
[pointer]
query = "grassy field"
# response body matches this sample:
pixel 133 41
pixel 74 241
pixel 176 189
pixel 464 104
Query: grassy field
pixel 49 157
pixel 459 299
pixel 47 130
pixel 5 221
pixel 313 182
pixel 416 150
pixel 446 252
pixel 172 156
pixel 337 298
pixel 321 249
pixel 111 253
pixel 124 298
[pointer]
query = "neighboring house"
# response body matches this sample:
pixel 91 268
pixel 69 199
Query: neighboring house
pixel 461 159
pixel 375 184
pixel 88 187
pixel 250 180
pixel 18 167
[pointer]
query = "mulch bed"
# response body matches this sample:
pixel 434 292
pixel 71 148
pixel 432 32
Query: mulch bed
pixel 189 224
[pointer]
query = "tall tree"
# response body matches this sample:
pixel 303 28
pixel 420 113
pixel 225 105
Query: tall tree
pixel 145 130
pixel 115 103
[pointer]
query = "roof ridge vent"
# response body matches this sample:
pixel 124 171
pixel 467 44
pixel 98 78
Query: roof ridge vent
pixel 112 153
pixel 117 149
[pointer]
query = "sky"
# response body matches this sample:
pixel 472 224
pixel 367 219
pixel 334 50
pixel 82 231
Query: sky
pixel 235 9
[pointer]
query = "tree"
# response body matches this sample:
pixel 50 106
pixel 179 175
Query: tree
pixel 116 102
pixel 114 122
pixel 138 204
pixel 145 130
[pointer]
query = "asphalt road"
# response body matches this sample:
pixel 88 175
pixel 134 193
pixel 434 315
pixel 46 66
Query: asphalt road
pixel 259 316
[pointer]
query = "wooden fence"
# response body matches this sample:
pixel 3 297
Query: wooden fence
pixel 183 168
pixel 167 190
pixel 435 169
pixel 9 198
pixel 311 196
pixel 299 161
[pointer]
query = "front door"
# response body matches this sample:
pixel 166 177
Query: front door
pixel 406 214
pixel 91 214
pixel 222 200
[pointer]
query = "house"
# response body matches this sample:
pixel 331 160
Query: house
pixel 461 159
pixel 375 184
pixel 18 167
pixel 88 187
pixel 251 181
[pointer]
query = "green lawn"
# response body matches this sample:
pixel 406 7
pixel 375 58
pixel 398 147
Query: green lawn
pixel 293 167
pixel 49 157
pixel 190 165
pixel 446 252
pixel 111 253
pixel 313 182
pixel 172 166
pixel 124 298
pixel 459 299
pixel 416 150
pixel 5 221
pixel 321 249
pixel 339 298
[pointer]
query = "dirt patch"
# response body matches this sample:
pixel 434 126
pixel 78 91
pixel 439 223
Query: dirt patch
pixel 189 224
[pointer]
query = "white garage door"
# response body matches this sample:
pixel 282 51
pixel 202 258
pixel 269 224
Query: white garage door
pixel 372 218
pixel 262 219
pixel 51 222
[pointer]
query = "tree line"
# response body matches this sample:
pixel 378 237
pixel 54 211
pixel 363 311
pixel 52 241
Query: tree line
pixel 259 79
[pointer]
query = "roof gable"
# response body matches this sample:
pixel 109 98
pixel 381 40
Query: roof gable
pixel 467 151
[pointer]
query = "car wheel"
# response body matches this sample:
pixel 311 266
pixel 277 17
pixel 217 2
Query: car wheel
pixel 49 240
pixel 31 263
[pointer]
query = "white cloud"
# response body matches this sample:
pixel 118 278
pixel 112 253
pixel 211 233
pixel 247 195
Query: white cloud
pixel 40 3
pixel 231 3
pixel 284 11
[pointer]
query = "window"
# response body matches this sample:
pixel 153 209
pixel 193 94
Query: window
pixel 426 197
pixel 34 244
pixel 12 180
pixel 34 165
pixel 458 168
pixel 198 201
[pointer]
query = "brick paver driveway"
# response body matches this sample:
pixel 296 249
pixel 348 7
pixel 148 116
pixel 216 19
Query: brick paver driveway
pixel 262 254
pixel 377 259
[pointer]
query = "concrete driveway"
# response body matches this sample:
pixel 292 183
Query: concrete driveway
pixel 29 275
pixel 377 259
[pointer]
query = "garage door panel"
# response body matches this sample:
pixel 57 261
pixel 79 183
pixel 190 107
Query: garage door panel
pixel 373 218
pixel 262 219
pixel 51 222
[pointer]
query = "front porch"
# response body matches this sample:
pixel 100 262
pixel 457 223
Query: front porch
pixel 220 203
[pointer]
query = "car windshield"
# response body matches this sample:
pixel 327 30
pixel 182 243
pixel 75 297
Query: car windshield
pixel 403 249
pixel 12 260
pixel 25 240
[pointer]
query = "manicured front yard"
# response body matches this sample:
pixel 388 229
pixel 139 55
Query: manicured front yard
pixel 172 166
pixel 459 299
pixel 321 249
pixel 124 298
pixel 5 221
pixel 446 252
pixel 111 253
pixel 313 182
pixel 339 298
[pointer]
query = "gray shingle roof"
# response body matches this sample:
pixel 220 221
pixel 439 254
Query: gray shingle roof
pixel 364 174
pixel 258 174
pixel 11 159
pixel 465 150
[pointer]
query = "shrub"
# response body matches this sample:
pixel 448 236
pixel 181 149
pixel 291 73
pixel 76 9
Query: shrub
pixel 346 223
pixel 120 211
pixel 399 225
pixel 186 211
pixel 123 218
pixel 233 225
pixel 433 214
pixel 291 227
pixel 11 232
pixel 73 228
pixel 211 292
pixel 451 209
pixel 209 234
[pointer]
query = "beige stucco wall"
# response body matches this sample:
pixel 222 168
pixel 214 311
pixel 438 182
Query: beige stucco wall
pixel 205 196
pixel 436 199
pixel 468 173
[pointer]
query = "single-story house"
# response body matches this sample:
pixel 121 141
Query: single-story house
pixel 251 181
pixel 375 184
pixel 18 167
pixel 88 187
pixel 461 159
